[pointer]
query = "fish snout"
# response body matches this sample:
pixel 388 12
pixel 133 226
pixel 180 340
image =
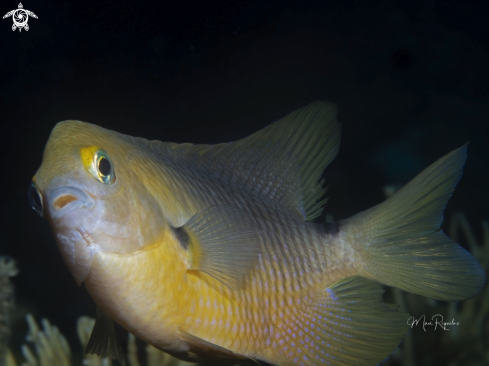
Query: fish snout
pixel 66 199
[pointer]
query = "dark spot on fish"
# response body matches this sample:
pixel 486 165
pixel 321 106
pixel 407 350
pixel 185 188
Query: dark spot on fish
pixel 182 236
pixel 402 58
pixel 329 228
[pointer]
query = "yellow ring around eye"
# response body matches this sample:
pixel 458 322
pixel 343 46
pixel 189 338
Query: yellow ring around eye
pixel 91 157
pixel 87 156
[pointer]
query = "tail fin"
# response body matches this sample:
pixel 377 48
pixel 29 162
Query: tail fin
pixel 399 242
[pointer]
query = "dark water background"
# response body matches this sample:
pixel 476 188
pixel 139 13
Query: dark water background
pixel 411 80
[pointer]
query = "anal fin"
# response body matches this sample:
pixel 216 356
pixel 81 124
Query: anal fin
pixel 349 324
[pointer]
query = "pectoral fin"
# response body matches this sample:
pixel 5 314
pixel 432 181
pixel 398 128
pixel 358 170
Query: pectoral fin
pixel 103 341
pixel 222 241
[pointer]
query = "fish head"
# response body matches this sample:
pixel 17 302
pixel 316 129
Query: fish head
pixel 90 188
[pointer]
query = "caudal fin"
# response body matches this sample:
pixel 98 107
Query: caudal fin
pixel 399 242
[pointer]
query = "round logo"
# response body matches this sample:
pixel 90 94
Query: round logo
pixel 20 18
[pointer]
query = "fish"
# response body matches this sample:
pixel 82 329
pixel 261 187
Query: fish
pixel 213 253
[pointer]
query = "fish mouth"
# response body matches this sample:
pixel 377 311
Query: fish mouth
pixel 64 200
pixel 73 226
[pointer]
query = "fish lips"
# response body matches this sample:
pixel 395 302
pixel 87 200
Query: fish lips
pixel 64 200
pixel 66 206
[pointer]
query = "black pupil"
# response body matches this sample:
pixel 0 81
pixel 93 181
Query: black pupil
pixel 35 200
pixel 104 166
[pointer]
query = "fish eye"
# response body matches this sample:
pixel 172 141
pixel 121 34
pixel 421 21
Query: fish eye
pixel 98 164
pixel 35 199
pixel 104 166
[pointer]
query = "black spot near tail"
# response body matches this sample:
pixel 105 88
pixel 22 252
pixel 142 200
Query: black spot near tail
pixel 329 228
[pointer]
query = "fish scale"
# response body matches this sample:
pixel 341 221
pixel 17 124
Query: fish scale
pixel 286 297
pixel 207 252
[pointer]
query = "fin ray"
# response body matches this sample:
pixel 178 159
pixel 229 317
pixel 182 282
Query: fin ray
pixel 103 341
pixel 207 352
pixel 283 161
pixel 400 242
pixel 224 243
pixel 348 324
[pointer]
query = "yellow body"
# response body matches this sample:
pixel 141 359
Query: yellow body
pixel 207 252
pixel 156 301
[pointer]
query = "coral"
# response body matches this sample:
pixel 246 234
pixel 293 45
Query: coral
pixel 7 270
pixel 52 349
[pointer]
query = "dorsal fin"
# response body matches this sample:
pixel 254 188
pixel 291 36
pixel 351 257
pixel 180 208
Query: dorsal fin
pixel 283 161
